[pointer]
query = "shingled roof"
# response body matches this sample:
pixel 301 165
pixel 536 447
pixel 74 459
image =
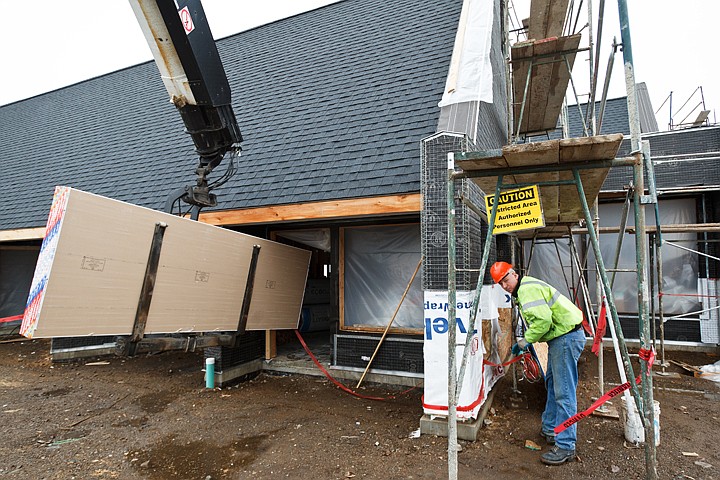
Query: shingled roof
pixel 332 104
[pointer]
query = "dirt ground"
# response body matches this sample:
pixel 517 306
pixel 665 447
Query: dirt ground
pixel 149 417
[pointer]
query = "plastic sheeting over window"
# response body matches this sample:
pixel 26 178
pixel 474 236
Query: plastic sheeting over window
pixel 379 262
pixel 317 238
pixel 546 266
pixel 680 267
pixel 17 265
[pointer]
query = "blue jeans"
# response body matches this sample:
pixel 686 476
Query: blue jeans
pixel 561 380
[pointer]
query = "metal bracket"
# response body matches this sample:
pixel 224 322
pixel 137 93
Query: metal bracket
pixel 136 344
pixel 183 194
pixel 647 200
pixel 130 346
pixel 249 285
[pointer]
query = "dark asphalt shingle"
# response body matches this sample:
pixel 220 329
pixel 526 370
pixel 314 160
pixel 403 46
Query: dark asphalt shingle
pixel 332 104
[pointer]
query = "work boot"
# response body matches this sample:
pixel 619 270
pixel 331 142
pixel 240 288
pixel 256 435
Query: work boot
pixel 557 456
pixel 549 437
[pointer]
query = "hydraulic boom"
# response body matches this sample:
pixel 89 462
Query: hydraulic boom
pixel 184 50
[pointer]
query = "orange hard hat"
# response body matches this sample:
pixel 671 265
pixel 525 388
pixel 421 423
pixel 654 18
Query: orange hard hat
pixel 499 270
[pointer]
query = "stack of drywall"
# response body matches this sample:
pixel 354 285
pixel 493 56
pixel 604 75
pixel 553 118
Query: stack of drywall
pixel 93 260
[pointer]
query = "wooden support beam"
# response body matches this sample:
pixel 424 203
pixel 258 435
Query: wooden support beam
pixel 21 234
pixel 270 344
pixel 372 206
pixel 357 207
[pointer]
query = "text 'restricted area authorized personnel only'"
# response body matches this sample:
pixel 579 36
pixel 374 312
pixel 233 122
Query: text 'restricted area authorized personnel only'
pixel 518 209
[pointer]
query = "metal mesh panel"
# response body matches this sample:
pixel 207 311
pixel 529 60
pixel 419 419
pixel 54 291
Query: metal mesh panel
pixel 69 343
pixel 675 330
pixel 504 247
pixel 470 229
pixel 394 355
pixel 251 346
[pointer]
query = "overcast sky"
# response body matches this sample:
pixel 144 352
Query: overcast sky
pixel 47 45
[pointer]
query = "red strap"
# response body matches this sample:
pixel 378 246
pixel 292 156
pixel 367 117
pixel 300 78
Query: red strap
pixel 11 319
pixel 509 362
pixel 600 330
pixel 647 356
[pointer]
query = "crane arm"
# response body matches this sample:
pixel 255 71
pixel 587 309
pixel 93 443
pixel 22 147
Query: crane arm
pixel 179 37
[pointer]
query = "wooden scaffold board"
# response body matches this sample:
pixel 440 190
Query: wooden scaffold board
pixel 548 81
pixel 561 205
pixel 547 18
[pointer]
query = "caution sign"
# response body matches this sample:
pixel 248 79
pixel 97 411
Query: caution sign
pixel 517 209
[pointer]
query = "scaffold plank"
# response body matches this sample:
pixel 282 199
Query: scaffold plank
pixel 561 206
pixel 579 149
pixel 540 153
pixel 548 81
pixel 547 18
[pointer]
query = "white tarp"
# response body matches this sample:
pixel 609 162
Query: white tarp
pixel 317 238
pixel 379 263
pixel 470 75
pixel 479 378
pixel 680 267
pixel 711 371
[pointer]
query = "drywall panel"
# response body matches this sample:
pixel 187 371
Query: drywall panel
pixel 93 261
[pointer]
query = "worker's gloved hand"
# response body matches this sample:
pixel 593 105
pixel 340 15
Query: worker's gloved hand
pixel 519 347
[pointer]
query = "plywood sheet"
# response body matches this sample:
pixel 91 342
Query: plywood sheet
pixel 487 184
pixel 487 334
pixel 541 353
pixel 601 147
pixel 92 265
pixel 506 336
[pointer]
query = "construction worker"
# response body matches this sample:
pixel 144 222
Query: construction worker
pixel 551 318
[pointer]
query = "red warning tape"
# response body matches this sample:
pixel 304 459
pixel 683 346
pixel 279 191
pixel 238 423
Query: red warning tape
pixel 600 330
pixel 340 385
pixel 646 355
pixel 509 362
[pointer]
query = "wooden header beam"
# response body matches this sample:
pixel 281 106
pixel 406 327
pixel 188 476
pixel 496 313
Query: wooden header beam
pixel 21 234
pixel 333 209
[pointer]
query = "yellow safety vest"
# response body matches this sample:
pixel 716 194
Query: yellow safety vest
pixel 548 313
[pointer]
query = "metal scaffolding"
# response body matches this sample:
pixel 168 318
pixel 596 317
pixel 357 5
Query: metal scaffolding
pixel 577 164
